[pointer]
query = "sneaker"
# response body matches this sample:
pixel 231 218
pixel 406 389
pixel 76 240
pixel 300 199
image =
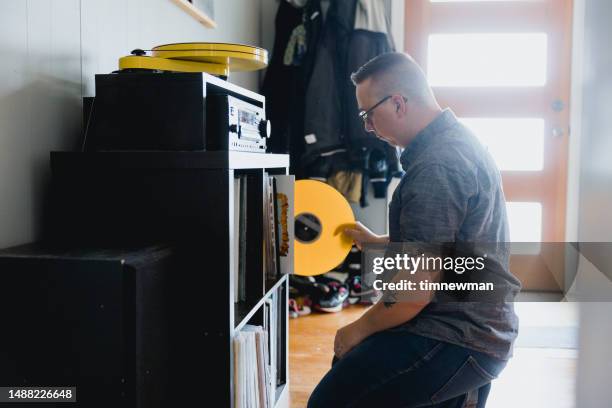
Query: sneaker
pixel 306 286
pixel 293 314
pixel 334 300
pixel 298 307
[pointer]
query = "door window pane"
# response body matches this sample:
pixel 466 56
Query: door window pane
pixel 473 1
pixel 516 144
pixel 487 59
pixel 525 220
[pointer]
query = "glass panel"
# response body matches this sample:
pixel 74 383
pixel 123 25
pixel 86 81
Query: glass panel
pixel 516 144
pixel 487 59
pixel 525 221
pixel 474 1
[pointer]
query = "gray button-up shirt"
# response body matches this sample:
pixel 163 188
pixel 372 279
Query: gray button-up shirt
pixel 452 192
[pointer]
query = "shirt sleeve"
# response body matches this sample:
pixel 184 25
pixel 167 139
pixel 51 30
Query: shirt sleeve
pixel 434 204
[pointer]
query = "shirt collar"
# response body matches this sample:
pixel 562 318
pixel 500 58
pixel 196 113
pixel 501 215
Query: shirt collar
pixel 443 121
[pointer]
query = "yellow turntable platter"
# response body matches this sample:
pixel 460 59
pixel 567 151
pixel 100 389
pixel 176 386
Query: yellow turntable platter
pixel 237 57
pixel 321 214
pixel 164 64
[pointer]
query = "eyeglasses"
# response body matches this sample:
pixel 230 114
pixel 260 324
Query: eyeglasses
pixel 367 117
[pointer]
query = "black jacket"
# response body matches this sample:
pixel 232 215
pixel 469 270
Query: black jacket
pixel 280 80
pixel 314 104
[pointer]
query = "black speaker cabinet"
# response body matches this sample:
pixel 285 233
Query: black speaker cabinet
pixel 97 320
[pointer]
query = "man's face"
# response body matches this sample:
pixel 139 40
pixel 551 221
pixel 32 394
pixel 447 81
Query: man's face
pixel 387 119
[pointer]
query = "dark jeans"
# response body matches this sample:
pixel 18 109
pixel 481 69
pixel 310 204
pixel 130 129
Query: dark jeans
pixel 395 368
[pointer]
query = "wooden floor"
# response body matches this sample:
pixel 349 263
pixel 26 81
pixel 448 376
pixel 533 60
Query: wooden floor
pixel 534 378
pixel 311 348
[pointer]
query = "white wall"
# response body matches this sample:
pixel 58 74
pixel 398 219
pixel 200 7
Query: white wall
pixel 112 28
pixel 594 193
pixel 49 53
pixel 573 176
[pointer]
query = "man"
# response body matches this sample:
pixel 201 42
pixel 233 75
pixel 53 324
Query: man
pixel 413 354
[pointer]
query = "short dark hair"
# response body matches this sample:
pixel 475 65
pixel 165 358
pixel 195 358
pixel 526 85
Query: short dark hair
pixel 380 64
pixel 396 72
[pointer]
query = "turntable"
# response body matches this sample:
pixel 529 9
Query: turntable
pixel 177 97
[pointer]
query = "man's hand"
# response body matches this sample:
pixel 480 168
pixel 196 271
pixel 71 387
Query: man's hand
pixel 362 235
pixel 348 337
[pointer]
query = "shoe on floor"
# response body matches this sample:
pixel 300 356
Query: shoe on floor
pixel 298 307
pixel 333 301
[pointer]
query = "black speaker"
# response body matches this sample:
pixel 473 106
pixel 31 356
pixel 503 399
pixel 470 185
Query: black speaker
pixel 97 320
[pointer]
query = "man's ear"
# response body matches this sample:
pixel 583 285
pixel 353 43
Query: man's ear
pixel 397 100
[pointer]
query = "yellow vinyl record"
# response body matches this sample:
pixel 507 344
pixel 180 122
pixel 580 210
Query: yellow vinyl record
pixel 165 64
pixel 214 58
pixel 321 214
pixel 237 57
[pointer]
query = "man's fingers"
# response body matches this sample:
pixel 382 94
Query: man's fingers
pixel 338 350
pixel 338 343
pixel 340 228
pixel 351 232
pixel 355 235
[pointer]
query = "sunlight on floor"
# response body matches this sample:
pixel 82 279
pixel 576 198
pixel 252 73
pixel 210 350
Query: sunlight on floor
pixel 543 370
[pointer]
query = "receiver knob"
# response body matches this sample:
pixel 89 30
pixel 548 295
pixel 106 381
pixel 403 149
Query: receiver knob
pixel 265 128
pixel 236 129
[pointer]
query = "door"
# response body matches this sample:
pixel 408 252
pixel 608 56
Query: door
pixel 503 67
